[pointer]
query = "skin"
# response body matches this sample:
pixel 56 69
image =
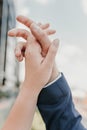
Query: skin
pixel 41 35
pixel 21 115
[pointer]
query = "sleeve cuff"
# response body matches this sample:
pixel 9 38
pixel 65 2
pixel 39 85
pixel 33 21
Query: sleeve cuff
pixel 58 77
pixel 57 90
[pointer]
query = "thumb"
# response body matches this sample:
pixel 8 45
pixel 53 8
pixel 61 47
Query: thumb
pixel 50 58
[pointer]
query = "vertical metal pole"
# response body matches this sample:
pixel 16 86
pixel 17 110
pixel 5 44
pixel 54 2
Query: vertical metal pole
pixel 3 36
pixel 4 67
pixel 1 10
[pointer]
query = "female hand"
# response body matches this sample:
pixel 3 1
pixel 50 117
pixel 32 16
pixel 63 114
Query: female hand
pixel 41 36
pixel 38 69
pixel 17 32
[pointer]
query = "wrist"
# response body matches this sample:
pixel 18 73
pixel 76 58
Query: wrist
pixel 54 74
pixel 30 89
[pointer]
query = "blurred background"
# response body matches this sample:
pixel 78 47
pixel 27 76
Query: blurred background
pixel 69 18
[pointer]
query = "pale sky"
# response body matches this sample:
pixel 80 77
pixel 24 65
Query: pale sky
pixel 69 18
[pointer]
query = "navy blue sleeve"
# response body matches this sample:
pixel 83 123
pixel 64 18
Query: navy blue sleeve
pixel 57 109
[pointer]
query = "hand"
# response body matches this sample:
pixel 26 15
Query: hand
pixel 37 68
pixel 44 43
pixel 21 46
pixel 45 27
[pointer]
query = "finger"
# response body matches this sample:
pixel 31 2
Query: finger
pixel 41 37
pixel 19 58
pixel 39 24
pixel 27 22
pixel 19 33
pixel 50 58
pixel 44 26
pixel 18 55
pixel 24 33
pixel 33 55
pixel 24 20
pixel 50 31
pixel 20 47
pixel 19 50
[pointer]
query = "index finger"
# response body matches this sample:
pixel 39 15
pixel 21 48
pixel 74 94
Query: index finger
pixel 24 20
pixel 27 22
pixel 42 37
pixel 19 33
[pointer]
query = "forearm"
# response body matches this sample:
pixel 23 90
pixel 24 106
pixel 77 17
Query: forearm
pixel 21 115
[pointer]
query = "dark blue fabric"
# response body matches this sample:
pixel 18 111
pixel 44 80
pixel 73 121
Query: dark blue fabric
pixel 57 109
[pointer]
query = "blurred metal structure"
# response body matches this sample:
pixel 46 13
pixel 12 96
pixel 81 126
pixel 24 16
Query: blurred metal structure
pixel 7 21
pixel 1 6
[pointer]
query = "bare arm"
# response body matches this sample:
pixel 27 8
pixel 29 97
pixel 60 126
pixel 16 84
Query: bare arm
pixel 21 115
pixel 38 70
